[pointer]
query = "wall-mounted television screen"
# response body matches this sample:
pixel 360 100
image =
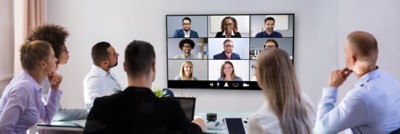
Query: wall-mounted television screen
pixel 218 51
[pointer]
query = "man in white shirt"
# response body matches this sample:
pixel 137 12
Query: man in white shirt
pixel 372 106
pixel 100 81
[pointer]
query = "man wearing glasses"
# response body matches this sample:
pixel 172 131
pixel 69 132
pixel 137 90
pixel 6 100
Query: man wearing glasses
pixel 186 32
pixel 228 52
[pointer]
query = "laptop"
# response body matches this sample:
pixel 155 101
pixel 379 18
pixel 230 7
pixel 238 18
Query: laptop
pixel 188 105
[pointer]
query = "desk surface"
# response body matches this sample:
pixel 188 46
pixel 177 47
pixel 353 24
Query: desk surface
pixel 78 125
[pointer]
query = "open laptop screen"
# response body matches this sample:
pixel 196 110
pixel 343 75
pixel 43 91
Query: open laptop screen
pixel 188 105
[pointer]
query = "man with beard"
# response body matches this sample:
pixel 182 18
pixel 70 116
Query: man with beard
pixel 186 45
pixel 228 52
pixel 186 32
pixel 100 81
pixel 269 24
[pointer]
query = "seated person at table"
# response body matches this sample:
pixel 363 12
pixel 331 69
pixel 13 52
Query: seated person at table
pixel 136 110
pixel 186 71
pixel 186 45
pixel 228 51
pixel 285 110
pixel 228 72
pixel 186 32
pixel 21 104
pixel 229 28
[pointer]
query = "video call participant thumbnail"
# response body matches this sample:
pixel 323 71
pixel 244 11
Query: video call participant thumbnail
pixel 269 24
pixel 229 28
pixel 186 45
pixel 271 43
pixel 228 72
pixel 186 71
pixel 228 51
pixel 186 32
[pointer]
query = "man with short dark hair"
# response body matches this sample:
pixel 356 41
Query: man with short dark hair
pixel 228 52
pixel 269 32
pixel 186 32
pixel 372 106
pixel 100 81
pixel 186 45
pixel 136 110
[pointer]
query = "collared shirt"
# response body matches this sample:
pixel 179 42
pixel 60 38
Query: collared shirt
pixel 98 83
pixel 21 106
pixel 232 34
pixel 187 34
pixel 273 35
pixel 183 56
pixel 372 106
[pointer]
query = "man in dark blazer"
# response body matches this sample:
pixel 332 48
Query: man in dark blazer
pixel 136 110
pixel 228 51
pixel 186 32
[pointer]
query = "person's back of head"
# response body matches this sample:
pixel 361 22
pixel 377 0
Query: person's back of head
pixel 54 34
pixel 276 77
pixel 100 53
pixel 139 59
pixel 32 52
pixel 364 46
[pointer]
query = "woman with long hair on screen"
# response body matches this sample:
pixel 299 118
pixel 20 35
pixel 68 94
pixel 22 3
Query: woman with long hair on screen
pixel 286 110
pixel 228 72
pixel 229 28
pixel 186 71
pixel 21 106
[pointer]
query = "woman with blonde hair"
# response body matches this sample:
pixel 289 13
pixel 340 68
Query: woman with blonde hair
pixel 21 106
pixel 286 110
pixel 186 71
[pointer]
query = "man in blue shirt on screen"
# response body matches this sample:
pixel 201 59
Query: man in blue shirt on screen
pixel 372 106
pixel 186 32
pixel 228 52
pixel 269 32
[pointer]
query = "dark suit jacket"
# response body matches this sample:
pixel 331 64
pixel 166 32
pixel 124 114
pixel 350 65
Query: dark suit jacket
pixel 219 35
pixel 222 55
pixel 138 111
pixel 180 34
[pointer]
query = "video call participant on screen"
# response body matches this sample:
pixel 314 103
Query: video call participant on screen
pixel 271 43
pixel 136 109
pixel 286 110
pixel 228 52
pixel 186 45
pixel 21 105
pixel 269 24
pixel 229 28
pixel 56 35
pixel 100 81
pixel 186 71
pixel 186 32
pixel 228 72
pixel 372 106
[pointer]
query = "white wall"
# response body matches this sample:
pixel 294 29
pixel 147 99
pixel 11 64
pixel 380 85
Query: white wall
pixel 6 42
pixel 381 19
pixel 119 22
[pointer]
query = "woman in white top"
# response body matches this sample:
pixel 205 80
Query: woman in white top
pixel 286 110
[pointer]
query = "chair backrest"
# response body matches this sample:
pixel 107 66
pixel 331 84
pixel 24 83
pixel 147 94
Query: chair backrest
pixel 396 131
